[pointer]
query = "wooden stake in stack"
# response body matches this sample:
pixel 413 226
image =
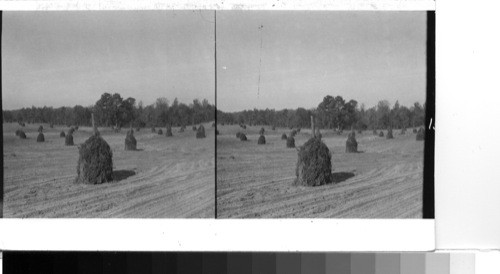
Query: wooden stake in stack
pixel 94 127
pixel 312 127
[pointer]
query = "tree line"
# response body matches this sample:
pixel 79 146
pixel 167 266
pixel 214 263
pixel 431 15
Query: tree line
pixel 333 113
pixel 111 110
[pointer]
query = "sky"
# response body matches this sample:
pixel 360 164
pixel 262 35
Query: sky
pixel 70 58
pixel 306 55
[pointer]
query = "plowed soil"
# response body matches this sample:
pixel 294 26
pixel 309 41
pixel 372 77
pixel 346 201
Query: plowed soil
pixel 384 180
pixel 167 177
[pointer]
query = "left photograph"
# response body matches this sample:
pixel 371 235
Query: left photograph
pixel 108 114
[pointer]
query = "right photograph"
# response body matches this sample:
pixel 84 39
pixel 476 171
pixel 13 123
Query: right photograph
pixel 323 114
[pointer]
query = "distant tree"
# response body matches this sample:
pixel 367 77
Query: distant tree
pixel 301 118
pixel 418 115
pixel 8 117
pixel 113 110
pixel 383 114
pixel 104 110
pixel 139 119
pixel 349 116
pixel 184 114
pixel 330 112
pixel 161 107
pixel 126 111
pixel 81 116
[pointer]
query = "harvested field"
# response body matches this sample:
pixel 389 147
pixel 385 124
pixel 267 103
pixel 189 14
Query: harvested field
pixel 166 177
pixel 384 180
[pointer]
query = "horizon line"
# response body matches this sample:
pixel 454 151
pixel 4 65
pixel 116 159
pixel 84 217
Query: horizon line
pixel 310 108
pixel 92 105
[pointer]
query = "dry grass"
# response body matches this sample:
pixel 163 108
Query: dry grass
pixel 383 181
pixel 164 178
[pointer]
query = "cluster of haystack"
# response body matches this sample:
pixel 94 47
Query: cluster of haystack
pixel 21 124
pixel 262 139
pixel 20 134
pixel 243 126
pixel 40 138
pixel 130 141
pixel 389 134
pixel 69 138
pixel 169 131
pixel 200 132
pixel 290 142
pixel 95 161
pixel 314 166
pixel 314 163
pixel 420 134
pixel 351 145
pixel 241 136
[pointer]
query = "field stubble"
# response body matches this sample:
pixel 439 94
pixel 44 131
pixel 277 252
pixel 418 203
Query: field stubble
pixel 167 177
pixel 385 180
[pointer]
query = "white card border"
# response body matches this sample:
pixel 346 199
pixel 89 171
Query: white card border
pixel 401 5
pixel 217 235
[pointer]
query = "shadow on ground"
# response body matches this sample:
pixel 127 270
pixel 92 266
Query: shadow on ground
pixel 119 175
pixel 338 177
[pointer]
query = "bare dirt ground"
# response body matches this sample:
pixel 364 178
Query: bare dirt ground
pixel 255 181
pixel 167 177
